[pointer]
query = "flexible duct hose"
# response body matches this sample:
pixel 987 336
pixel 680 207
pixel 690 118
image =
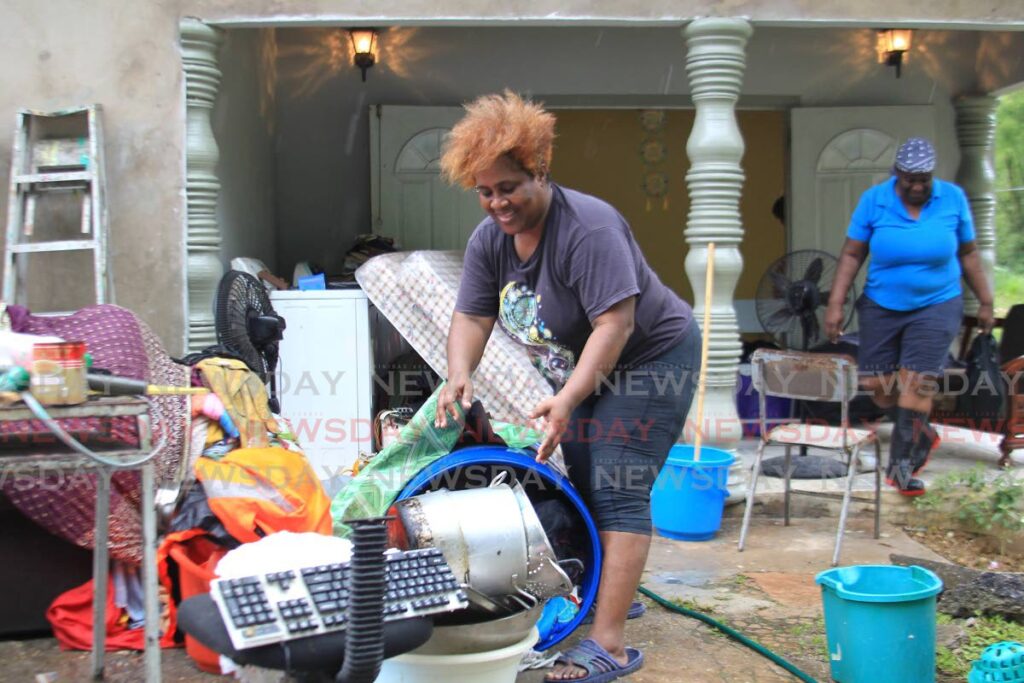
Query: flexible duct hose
pixel 732 633
pixel 367 580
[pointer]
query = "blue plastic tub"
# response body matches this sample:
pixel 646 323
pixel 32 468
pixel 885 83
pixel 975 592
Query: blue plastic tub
pixel 477 465
pixel 688 496
pixel 880 623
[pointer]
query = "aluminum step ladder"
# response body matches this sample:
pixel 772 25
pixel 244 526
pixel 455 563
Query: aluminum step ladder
pixel 56 154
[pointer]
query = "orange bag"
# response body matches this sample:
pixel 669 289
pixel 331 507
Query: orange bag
pixel 259 491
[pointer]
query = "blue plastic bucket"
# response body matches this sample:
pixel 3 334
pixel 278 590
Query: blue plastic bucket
pixel 477 465
pixel 688 496
pixel 880 623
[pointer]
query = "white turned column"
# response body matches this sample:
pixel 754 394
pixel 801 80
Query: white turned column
pixel 975 131
pixel 714 64
pixel 199 44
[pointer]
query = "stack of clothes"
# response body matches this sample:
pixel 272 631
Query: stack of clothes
pixel 240 471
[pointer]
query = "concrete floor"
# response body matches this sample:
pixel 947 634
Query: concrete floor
pixel 960 449
pixel 767 592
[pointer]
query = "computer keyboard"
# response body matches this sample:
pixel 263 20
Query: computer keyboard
pixel 308 601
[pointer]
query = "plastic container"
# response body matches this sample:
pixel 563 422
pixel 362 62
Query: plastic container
pixel 197 558
pixel 478 465
pixel 688 496
pixel 58 373
pixel 880 623
pixel 496 666
pixel 1001 662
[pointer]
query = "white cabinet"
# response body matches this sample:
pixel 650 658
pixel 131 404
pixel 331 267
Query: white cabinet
pixel 325 374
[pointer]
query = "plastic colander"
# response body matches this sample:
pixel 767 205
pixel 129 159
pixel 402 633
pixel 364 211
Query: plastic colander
pixel 1001 662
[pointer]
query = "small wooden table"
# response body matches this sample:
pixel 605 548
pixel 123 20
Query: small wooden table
pixel 105 463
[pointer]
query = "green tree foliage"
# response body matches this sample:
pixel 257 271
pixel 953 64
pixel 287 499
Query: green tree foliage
pixel 1009 162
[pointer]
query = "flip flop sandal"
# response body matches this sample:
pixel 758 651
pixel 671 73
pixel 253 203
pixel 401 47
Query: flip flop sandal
pixel 636 610
pixel 600 666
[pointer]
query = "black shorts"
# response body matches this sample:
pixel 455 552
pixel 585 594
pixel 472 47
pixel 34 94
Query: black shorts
pixel 917 340
pixel 620 436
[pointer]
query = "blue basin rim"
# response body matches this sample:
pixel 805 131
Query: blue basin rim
pixel 497 455
pixel 917 583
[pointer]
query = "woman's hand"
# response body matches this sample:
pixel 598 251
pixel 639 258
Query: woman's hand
pixel 457 388
pixel 467 338
pixel 833 322
pixel 555 411
pixel 986 318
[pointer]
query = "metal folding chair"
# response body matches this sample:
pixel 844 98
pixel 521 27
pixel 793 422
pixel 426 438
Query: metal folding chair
pixel 811 377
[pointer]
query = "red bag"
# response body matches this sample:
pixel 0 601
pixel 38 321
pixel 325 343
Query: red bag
pixel 71 618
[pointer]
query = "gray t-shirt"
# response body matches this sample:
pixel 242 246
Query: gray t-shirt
pixel 586 262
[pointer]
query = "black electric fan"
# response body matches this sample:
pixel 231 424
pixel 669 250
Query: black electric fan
pixel 248 327
pixel 791 301
pixel 792 297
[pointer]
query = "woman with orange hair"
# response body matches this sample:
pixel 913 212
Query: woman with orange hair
pixel 560 272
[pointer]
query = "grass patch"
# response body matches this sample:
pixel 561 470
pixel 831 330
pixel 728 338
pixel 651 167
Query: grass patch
pixel 1009 289
pixel 992 505
pixel 982 632
pixel 692 605
pixel 810 635
pixel 801 629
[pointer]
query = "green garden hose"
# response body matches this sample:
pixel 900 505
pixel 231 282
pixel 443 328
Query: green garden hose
pixel 732 633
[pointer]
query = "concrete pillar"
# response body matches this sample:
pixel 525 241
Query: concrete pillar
pixel 714 65
pixel 975 131
pixel 199 44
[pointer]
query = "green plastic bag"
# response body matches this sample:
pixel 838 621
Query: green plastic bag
pixel 419 444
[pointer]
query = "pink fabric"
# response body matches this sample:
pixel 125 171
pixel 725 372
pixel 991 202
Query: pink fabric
pixel 64 504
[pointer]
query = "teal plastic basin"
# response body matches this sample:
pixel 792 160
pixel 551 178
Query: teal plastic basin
pixel 880 623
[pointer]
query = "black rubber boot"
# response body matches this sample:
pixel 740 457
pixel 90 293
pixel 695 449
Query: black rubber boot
pixel 902 447
pixel 915 429
pixel 927 441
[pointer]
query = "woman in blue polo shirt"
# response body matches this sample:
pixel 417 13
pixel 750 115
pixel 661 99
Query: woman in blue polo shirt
pixel 920 235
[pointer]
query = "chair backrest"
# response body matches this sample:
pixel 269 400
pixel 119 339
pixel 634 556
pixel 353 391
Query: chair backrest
pixel 803 375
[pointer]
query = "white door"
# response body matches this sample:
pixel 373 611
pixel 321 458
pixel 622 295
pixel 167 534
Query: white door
pixel 410 201
pixel 838 153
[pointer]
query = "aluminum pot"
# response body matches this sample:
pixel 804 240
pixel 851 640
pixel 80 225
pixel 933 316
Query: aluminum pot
pixel 479 531
pixel 544 578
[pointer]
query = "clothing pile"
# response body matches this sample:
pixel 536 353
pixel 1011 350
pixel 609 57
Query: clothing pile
pixel 241 472
pixel 365 248
pixel 249 480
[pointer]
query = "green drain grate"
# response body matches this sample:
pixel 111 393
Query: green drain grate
pixel 999 663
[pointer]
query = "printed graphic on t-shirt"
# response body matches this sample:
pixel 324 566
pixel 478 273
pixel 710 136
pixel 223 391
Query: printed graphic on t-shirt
pixel 519 315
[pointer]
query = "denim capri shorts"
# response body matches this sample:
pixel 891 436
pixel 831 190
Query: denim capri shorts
pixel 620 436
pixel 917 340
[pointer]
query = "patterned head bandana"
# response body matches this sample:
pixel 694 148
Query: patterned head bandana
pixel 916 155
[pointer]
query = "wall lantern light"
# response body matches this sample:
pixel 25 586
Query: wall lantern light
pixel 893 43
pixel 364 46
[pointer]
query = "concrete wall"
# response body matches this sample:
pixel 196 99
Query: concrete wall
pixel 125 55
pixel 915 13
pixel 323 134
